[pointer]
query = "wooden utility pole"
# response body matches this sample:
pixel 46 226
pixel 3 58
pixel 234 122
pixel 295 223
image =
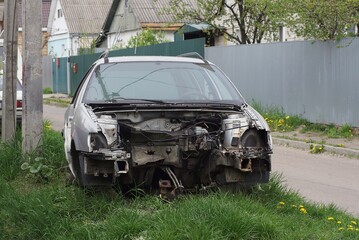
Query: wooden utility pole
pixel 32 121
pixel 10 70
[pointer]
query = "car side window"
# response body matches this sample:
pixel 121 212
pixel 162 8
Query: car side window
pixel 76 94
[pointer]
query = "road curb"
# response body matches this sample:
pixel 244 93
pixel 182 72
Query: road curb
pixel 306 146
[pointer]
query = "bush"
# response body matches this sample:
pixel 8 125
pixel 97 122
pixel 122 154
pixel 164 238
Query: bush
pixel 47 90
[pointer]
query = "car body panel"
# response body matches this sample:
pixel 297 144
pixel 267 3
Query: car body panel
pixel 18 99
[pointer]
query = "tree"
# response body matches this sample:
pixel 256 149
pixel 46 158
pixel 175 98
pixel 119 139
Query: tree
pixel 252 21
pixel 147 37
pixel 323 19
pixel 241 21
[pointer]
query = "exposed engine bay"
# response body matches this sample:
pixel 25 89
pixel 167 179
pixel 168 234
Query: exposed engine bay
pixel 171 150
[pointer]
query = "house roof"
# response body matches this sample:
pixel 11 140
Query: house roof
pixel 45 12
pixel 148 13
pixel 85 16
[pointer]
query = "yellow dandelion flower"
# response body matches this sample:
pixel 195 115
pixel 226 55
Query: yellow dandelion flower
pixel 301 206
pixel 353 222
pixel 330 218
pixel 357 229
pixel 350 229
pixel 286 117
pixel 281 203
pixel 294 206
pixel 341 228
pixel 339 222
pixel 303 210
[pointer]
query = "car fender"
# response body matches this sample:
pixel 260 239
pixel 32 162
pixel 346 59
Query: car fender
pixel 259 122
pixel 83 124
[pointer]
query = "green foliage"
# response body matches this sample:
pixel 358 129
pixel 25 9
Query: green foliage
pixel 277 119
pixel 47 90
pixel 63 102
pixel 252 21
pixel 87 44
pixel 33 210
pixel 323 19
pixel 246 22
pixel 316 148
pixel 53 211
pixel 341 131
pixel 11 157
pixel 147 37
pixel 50 155
pixel 38 168
pixel 330 130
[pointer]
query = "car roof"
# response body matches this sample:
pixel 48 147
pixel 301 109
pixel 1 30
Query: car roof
pixel 152 59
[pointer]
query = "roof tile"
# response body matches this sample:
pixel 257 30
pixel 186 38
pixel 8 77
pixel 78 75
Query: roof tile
pixel 150 11
pixel 85 16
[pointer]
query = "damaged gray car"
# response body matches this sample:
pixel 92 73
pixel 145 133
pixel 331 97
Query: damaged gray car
pixel 164 124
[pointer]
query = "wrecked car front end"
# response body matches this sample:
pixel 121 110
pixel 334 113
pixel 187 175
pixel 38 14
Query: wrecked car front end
pixel 167 146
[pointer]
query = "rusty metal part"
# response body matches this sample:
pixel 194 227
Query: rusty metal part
pixel 167 192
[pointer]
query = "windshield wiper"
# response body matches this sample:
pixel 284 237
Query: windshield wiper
pixel 112 100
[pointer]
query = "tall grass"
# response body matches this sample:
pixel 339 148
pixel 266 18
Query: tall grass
pixel 11 157
pixel 51 210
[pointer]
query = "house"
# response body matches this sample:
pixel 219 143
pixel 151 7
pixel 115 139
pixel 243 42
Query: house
pixel 45 15
pixel 73 25
pixel 127 18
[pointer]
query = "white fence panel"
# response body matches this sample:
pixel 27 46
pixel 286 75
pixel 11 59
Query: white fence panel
pixel 318 80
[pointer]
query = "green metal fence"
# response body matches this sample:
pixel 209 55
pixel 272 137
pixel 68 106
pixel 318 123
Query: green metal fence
pixel 78 65
pixel 59 75
pixel 78 68
pixel 164 49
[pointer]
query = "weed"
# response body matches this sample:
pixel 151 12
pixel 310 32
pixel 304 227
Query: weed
pixel 277 119
pixel 47 90
pixel 41 171
pixel 281 122
pixel 316 148
pixel 57 101
pixel 11 157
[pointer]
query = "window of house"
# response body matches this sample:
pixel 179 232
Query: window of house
pixel 59 13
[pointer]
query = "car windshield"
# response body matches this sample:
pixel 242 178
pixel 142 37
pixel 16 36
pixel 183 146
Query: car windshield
pixel 165 81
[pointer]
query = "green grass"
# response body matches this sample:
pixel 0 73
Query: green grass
pixel 47 90
pixel 33 209
pixel 57 101
pixel 278 121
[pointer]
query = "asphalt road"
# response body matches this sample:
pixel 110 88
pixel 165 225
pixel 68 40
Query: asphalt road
pixel 55 115
pixel 320 178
